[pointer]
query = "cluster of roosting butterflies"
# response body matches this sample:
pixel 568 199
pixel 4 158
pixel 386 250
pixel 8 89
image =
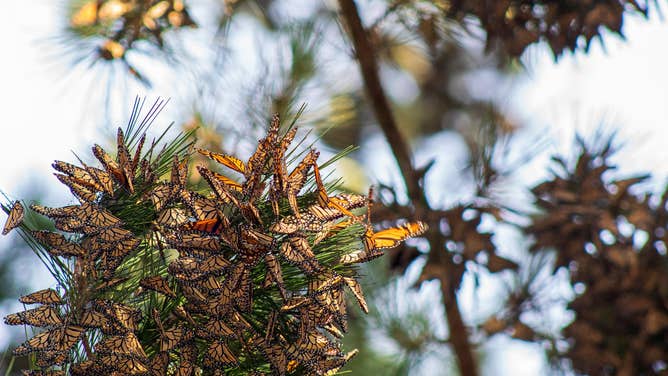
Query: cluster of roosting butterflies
pixel 239 278
pixel 124 25
pixel 594 223
pixel 563 24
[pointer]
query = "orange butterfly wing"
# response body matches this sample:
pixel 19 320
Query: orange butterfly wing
pixel 14 219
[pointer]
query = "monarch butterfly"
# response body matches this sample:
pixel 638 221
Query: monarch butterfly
pixel 291 224
pixel 331 366
pixel 68 249
pixel 189 352
pixel 220 303
pixel 215 328
pixel 211 226
pixel 250 212
pixel 253 239
pixel 323 198
pixel 159 284
pixel 38 317
pixel 122 344
pixel 360 256
pixel 14 219
pixel 220 189
pixel 332 211
pixel 173 337
pixel 138 150
pixel 49 358
pixel 297 179
pixel 172 217
pixel 279 183
pixel 121 315
pixel 98 216
pixel 81 192
pixel 293 257
pixel 292 365
pixel 108 265
pixel 332 301
pixel 158 364
pixel 85 368
pixel 198 241
pixel 357 291
pixel 77 174
pixel 122 153
pixel 297 251
pixel 286 225
pixel 46 296
pixel 181 313
pixel 53 213
pixel 185 268
pixel 214 264
pixel 109 164
pixel 41 341
pixel 391 237
pixel 162 195
pixel 275 199
pixel 102 178
pixel 186 368
pixel 93 319
pixel 325 214
pixel 201 207
pixel 50 239
pixel 226 160
pixel 239 322
pixel 271 326
pixel 336 304
pixel 331 229
pixel 274 274
pixel 239 283
pixel 219 355
pixel 179 172
pixel 227 181
pixel 126 316
pixel 244 296
pixel 113 235
pixel 257 160
pixel 333 330
pixel 278 164
pixel 277 358
pixel 42 372
pixel 123 247
pixel 209 283
pixel 69 224
pixel 125 365
pixel 312 340
pixel 67 337
pixel 324 297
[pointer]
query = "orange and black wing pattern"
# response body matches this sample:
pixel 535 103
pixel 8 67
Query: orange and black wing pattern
pixel 14 219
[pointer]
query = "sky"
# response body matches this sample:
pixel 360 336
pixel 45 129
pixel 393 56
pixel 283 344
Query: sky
pixel 47 113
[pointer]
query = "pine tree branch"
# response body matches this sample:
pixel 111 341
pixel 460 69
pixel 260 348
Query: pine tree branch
pixel 365 54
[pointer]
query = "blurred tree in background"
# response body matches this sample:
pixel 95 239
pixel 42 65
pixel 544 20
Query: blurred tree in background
pixel 419 86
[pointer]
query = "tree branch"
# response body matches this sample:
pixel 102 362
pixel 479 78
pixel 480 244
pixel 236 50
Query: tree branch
pixel 367 61
pixel 365 54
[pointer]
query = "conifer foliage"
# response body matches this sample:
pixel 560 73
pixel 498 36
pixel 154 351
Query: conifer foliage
pixel 155 277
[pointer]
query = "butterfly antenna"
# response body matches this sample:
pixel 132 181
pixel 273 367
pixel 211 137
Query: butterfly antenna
pixel 369 206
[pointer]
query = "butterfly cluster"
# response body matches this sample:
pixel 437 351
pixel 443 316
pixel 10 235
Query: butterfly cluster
pixel 564 25
pixel 120 26
pixel 246 275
